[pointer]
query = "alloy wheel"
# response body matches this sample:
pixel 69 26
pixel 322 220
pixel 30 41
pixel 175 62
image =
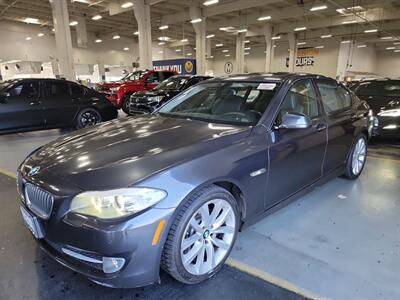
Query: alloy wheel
pixel 208 237
pixel 359 156
pixel 89 118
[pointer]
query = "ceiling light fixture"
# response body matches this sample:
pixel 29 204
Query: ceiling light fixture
pixel 349 22
pixel 265 18
pixel 225 50
pixel 345 42
pixel 300 28
pixel 362 46
pixel 325 36
pixel 301 43
pixel 28 38
pixel 210 2
pixel 390 48
pixel 278 37
pixel 247 48
pixel 242 30
pixel 116 37
pixel 320 7
pixel 398 50
pixel 31 20
pixel 161 43
pixel 97 17
pixel 40 34
pixel 163 27
pixel 126 48
pixel 219 45
pixel 98 40
pixel 178 50
pixel 164 38
pixel 194 21
pixel 397 43
pixel 184 40
pixel 370 30
pixel 136 33
pixel 247 41
pixel 73 23
pixel 227 55
pixel 386 37
pixel 319 47
pixel 189 54
pixel 246 53
pixel 210 36
pixel 126 5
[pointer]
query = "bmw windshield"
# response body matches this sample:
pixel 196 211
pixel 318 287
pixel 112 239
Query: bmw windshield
pixel 172 83
pixel 235 103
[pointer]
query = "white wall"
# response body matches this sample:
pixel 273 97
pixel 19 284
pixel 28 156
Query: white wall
pixel 388 64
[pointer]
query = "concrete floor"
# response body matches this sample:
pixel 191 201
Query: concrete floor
pixel 341 241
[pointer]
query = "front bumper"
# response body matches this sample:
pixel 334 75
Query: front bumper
pixel 131 238
pixel 387 127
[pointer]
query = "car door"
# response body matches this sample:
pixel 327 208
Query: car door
pixel 60 105
pixel 296 155
pixel 337 104
pixel 20 106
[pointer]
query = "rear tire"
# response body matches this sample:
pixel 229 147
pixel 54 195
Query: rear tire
pixel 357 158
pixel 87 117
pixel 201 236
pixel 125 104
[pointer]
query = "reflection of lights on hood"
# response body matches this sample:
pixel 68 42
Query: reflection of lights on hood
pixel 391 126
pixel 390 113
pixel 218 127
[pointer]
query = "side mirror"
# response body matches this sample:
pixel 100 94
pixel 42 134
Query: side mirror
pixel 4 96
pixel 295 121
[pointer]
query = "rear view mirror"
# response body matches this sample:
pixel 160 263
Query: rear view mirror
pixel 295 121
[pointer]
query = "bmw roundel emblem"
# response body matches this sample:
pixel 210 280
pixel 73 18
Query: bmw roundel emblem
pixel 34 171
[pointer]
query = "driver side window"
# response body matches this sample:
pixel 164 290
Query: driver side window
pixel 24 90
pixel 300 99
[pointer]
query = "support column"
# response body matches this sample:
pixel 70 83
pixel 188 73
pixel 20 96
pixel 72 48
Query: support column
pixel 345 50
pixel 269 48
pixel 200 29
pixel 292 51
pixel 142 15
pixel 240 52
pixel 81 33
pixel 63 39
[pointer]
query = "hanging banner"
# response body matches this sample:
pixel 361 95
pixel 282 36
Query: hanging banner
pixel 182 66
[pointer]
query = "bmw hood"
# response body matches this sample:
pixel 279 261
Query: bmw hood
pixel 121 152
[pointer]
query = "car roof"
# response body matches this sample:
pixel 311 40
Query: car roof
pixel 262 77
pixel 189 76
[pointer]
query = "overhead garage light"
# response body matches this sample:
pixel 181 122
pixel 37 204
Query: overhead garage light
pixel 28 38
pixel 40 34
pixel 390 48
pixel 161 43
pixel 163 27
pixel 189 54
pixel 319 47
pixel 320 7
pixel 210 36
pixel 31 21
pixel 126 49
pixel 219 45
pixel 198 20
pixel 164 38
pixel 349 10
pixel 242 30
pixel 126 5
pixel 265 18
pixel 97 17
pixel 398 50
pixel 246 53
pixel 301 43
pixel 210 2
pixel 361 46
pixel 397 43
pixel 225 50
pixel 136 33
pixel 247 48
pixel 73 23
pixel 386 37
pixel 98 40
pixel 116 37
pixel 278 37
pixel 184 40
pixel 227 55
pixel 345 42
pixel 349 22
pixel 370 30
pixel 178 50
pixel 247 41
pixel 325 36
pixel 300 28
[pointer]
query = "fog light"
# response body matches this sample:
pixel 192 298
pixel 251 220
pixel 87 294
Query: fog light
pixel 112 264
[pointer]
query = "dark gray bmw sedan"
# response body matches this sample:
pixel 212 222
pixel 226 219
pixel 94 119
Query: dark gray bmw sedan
pixel 119 201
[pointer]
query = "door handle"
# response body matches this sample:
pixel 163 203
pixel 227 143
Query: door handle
pixel 321 127
pixel 34 103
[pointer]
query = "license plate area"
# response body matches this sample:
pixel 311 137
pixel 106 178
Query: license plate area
pixel 32 223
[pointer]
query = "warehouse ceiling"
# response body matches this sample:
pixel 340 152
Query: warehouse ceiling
pixel 367 21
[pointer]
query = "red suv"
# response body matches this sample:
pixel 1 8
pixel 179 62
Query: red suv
pixel 120 92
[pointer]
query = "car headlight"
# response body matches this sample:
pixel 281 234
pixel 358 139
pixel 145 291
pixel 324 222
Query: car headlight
pixel 116 203
pixel 390 113
pixel 156 98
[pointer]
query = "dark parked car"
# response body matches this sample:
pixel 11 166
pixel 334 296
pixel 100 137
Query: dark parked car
pixel 34 104
pixel 147 101
pixel 171 189
pixel 383 96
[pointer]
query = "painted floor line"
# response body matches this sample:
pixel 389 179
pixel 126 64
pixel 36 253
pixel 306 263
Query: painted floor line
pixel 8 173
pixel 270 279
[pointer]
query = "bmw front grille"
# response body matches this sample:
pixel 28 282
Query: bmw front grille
pixel 38 200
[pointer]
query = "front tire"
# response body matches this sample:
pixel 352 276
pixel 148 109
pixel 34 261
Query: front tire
pixel 87 117
pixel 357 158
pixel 125 104
pixel 201 236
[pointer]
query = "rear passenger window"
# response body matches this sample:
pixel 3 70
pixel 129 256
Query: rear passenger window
pixel 334 97
pixel 58 88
